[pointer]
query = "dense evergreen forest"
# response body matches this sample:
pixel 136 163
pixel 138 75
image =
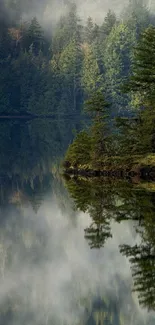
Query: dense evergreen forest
pixel 53 69
pixel 110 67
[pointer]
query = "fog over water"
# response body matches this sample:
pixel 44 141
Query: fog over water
pixel 48 273
pixel 48 268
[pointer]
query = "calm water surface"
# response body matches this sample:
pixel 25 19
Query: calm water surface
pixel 72 251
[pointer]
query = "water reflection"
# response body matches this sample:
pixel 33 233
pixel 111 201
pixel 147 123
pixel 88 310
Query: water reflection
pixel 28 152
pixel 110 200
pixel 48 273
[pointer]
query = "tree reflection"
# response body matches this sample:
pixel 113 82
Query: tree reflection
pixel 27 153
pixel 99 230
pixel 29 150
pixel 96 200
pixel 110 200
pixel 142 255
pixel 142 259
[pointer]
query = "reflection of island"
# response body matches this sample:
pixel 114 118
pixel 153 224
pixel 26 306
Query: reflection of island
pixel 44 281
pixel 109 200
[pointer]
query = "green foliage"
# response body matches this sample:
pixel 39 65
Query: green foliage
pixel 79 151
pixel 91 76
pixel 90 148
pixel 61 68
pixel 142 79
pixel 142 83
pixel 117 66
pixel 135 134
pixel 99 130
pixel 34 39
pixel 54 73
pixel 96 105
pixel 109 22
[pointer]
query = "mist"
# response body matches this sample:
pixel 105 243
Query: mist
pixel 97 9
pixel 89 8
pixel 49 12
pixel 48 271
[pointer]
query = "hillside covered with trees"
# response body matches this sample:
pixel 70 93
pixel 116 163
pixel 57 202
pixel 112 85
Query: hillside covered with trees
pixel 52 70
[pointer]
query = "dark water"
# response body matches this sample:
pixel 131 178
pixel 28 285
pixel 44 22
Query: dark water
pixel 72 251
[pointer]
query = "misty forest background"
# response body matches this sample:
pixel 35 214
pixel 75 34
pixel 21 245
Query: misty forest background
pixel 51 66
pixel 54 68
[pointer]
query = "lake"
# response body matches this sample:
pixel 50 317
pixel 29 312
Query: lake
pixel 72 250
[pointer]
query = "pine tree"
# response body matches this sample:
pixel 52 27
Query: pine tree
pixel 97 107
pixel 89 31
pixel 117 59
pixel 35 39
pixel 79 151
pixel 70 67
pixel 142 86
pixel 143 77
pixel 109 22
pixel 91 78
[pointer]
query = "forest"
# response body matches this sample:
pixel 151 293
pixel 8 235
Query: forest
pixel 54 70
pixel 95 82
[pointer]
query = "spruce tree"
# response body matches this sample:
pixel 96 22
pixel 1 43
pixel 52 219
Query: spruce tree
pixel 91 77
pixel 98 107
pixel 142 80
pixel 142 86
pixel 35 37
pixel 89 29
pixel 109 22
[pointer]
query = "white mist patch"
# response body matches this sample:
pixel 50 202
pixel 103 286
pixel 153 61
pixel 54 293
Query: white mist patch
pixel 99 8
